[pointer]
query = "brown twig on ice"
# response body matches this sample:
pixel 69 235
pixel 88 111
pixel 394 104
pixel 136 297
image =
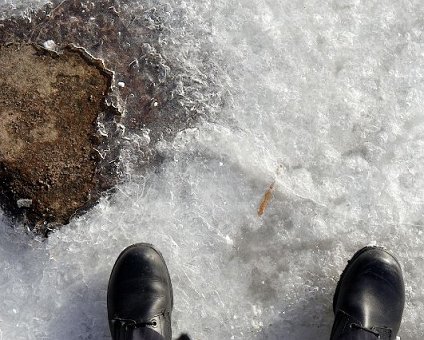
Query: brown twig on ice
pixel 266 199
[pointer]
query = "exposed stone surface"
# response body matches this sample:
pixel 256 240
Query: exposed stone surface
pixel 158 96
pixel 49 157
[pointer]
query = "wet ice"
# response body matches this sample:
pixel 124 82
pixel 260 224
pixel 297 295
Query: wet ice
pixel 331 93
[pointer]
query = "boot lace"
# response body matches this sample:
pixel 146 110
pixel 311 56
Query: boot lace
pixel 128 323
pixel 355 325
pixel 124 327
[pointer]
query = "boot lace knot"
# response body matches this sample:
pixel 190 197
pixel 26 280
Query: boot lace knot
pixel 132 324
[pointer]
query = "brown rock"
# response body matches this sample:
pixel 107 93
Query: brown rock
pixel 49 107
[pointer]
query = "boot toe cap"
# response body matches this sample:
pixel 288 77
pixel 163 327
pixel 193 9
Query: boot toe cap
pixel 139 285
pixel 371 289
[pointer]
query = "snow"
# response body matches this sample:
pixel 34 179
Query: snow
pixel 322 98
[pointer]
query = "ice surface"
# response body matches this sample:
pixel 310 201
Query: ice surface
pixel 19 7
pixel 324 98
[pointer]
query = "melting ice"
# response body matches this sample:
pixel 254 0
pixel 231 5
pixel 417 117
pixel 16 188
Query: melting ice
pixel 322 98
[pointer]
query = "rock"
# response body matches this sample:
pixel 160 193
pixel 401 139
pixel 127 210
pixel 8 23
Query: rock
pixel 49 109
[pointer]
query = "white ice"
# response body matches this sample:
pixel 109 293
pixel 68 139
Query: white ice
pixel 323 97
pixel 19 7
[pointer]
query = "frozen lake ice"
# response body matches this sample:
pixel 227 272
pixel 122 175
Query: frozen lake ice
pixel 322 98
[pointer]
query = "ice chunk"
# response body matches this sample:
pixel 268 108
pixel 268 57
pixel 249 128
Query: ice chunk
pixel 50 45
pixel 24 203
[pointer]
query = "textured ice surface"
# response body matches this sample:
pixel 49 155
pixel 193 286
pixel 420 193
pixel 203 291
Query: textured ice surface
pixel 19 7
pixel 324 98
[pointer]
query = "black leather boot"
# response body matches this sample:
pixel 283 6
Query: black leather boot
pixel 139 297
pixel 369 298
